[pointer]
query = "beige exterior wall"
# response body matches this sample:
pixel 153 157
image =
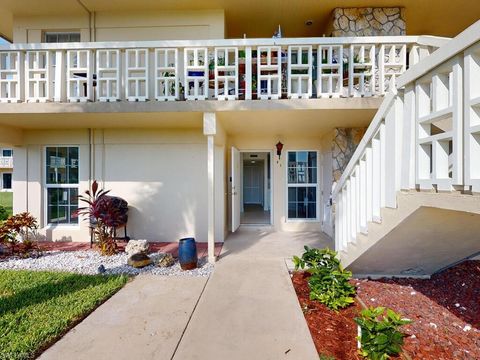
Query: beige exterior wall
pixel 161 173
pixel 121 26
pixel 164 25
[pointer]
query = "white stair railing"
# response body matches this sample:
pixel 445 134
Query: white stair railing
pixel 208 69
pixel 425 136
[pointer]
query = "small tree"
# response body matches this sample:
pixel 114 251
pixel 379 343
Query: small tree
pixel 103 217
pixel 19 228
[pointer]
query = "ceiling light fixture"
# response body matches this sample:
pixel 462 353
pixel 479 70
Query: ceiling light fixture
pixel 308 22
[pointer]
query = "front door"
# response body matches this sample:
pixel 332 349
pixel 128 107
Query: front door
pixel 236 188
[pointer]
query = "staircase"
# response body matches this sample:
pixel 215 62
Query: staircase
pixel 408 203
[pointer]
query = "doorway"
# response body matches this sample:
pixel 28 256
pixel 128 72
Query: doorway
pixel 255 196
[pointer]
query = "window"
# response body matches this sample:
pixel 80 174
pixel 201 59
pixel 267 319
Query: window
pixel 7 181
pixel 60 37
pixel 302 185
pixel 62 184
pixel 7 152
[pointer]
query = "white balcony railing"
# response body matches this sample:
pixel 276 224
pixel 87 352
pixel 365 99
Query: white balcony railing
pixel 6 162
pixel 210 69
pixel 425 136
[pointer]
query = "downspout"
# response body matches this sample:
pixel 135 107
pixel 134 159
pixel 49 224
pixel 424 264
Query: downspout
pixel 91 155
pixel 91 21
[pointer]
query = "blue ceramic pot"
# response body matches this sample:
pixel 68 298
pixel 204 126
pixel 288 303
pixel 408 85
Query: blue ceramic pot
pixel 187 253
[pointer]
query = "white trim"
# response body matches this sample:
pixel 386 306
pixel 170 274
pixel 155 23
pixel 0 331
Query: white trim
pixel 411 39
pixel 45 186
pixel 316 185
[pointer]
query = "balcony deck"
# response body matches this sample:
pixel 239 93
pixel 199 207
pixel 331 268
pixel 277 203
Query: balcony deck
pixel 218 70
pixel 6 162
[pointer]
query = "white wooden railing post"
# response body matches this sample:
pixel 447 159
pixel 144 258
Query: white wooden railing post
pixel 60 91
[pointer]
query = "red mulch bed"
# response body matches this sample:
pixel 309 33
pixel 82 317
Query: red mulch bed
pixel 442 309
pixel 334 334
pixel 445 311
pixel 168 247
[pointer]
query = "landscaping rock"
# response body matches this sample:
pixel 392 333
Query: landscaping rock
pixel 101 269
pixel 137 247
pixel 139 260
pixel 165 260
pixel 88 262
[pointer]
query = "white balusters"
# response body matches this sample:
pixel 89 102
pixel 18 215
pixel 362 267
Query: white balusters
pixel 108 75
pixel 299 75
pixel 226 73
pixel 79 75
pixel 472 118
pixel 161 70
pixel 11 76
pixel 269 72
pixel 136 75
pixel 166 74
pixel 330 64
pixel 196 73
pixel 392 62
pixel 38 71
pixel 361 77
pixel 439 128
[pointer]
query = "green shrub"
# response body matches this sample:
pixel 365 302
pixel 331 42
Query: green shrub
pixel 381 336
pixel 313 258
pixel 3 213
pixel 329 282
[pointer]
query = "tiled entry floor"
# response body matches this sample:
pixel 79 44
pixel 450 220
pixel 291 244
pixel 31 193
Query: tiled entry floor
pixel 254 214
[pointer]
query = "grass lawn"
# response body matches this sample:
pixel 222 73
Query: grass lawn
pixel 36 308
pixel 6 200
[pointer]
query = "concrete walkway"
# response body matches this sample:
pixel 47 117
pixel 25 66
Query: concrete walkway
pixel 144 320
pixel 249 309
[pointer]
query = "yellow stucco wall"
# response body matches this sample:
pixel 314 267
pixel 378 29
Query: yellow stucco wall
pixel 121 26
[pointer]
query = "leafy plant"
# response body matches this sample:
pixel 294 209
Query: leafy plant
pixel 326 357
pixel 381 337
pixel 329 282
pixel 3 213
pixel 19 228
pixel 313 257
pixel 103 217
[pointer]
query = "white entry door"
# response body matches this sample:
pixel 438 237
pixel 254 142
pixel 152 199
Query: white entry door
pixel 236 188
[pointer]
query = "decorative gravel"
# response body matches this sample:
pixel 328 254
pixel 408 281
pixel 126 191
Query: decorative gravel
pixel 88 262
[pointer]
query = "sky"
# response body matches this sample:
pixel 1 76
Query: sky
pixel 2 41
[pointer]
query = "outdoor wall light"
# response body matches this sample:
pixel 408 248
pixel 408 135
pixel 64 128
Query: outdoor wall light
pixel 279 147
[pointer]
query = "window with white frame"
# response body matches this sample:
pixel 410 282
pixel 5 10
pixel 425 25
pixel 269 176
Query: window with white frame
pixel 7 152
pixel 62 170
pixel 61 36
pixel 302 185
pixel 7 181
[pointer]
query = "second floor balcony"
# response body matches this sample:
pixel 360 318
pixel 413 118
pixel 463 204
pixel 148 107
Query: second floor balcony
pixel 244 69
pixel 6 162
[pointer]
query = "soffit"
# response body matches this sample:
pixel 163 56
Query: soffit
pixel 261 18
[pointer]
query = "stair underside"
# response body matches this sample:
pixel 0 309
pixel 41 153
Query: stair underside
pixel 426 233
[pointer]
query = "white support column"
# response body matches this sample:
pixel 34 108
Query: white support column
pixel 20 180
pixel 210 130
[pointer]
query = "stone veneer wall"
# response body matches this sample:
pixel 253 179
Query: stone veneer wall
pixel 345 141
pixel 368 21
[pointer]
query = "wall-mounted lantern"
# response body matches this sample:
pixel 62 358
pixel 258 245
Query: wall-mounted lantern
pixel 279 147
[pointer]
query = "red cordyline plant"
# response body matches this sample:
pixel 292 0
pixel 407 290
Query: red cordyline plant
pixel 19 228
pixel 103 217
